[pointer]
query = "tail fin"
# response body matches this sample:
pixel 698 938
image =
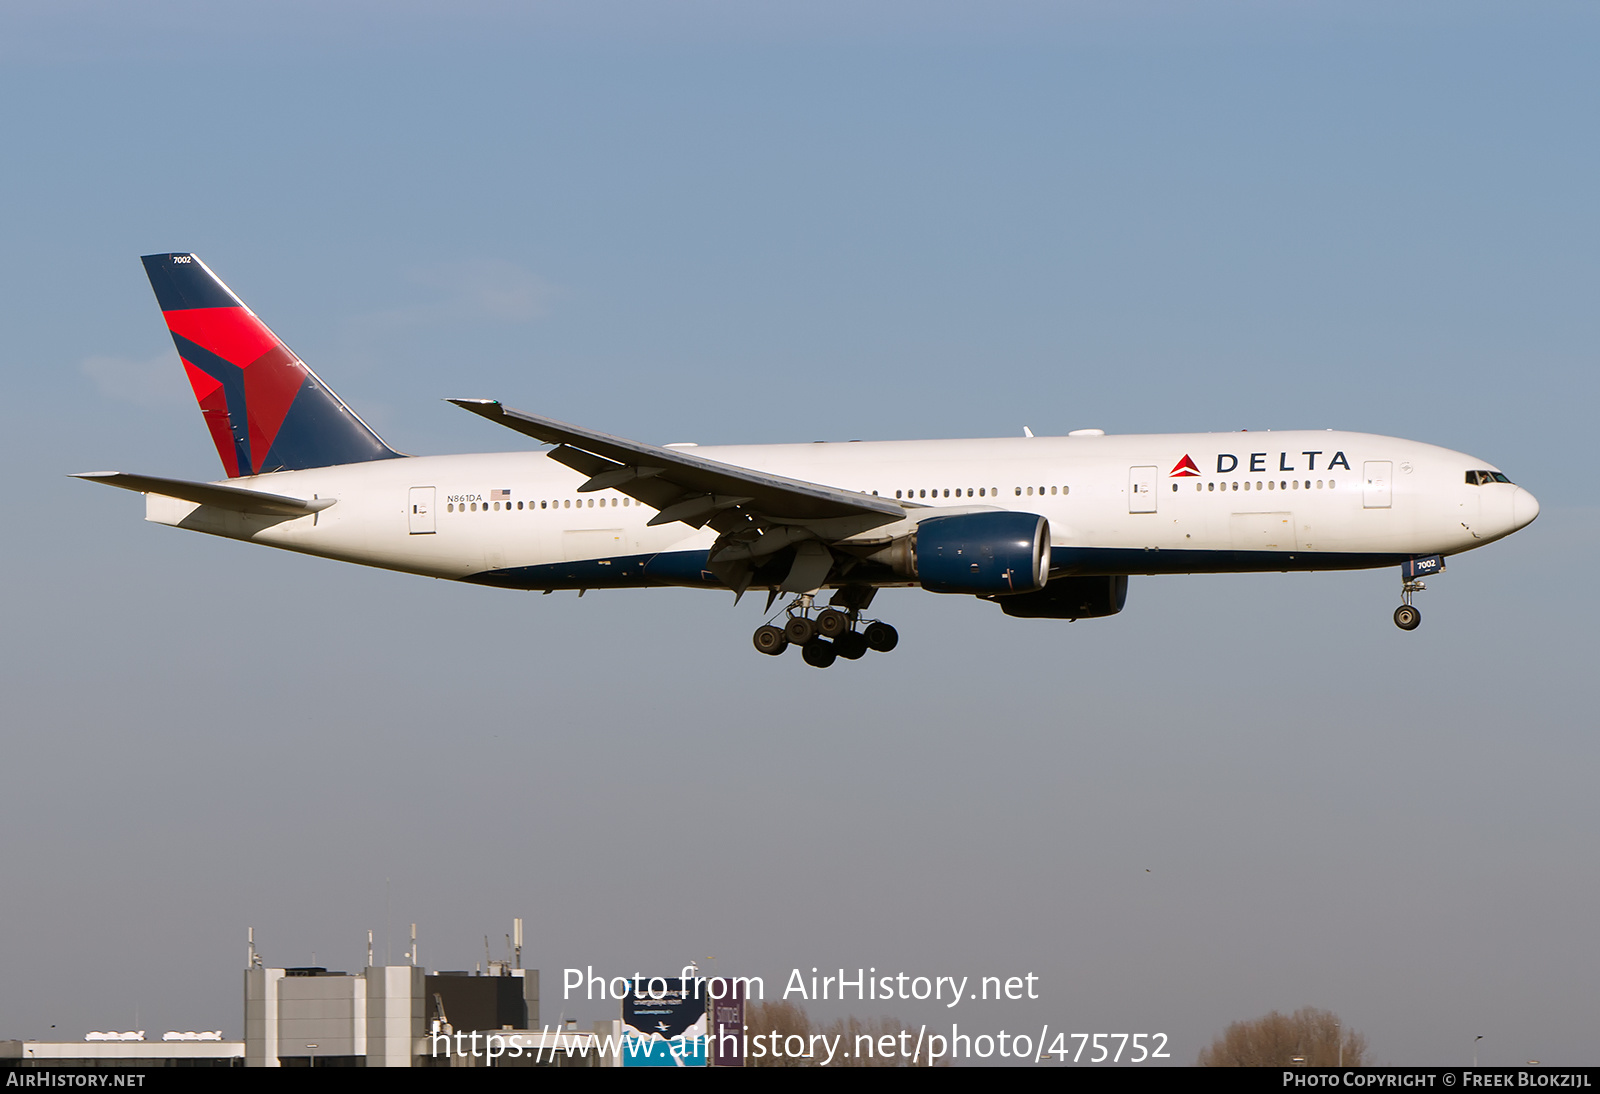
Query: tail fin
pixel 266 410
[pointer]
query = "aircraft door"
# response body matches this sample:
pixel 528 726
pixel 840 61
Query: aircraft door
pixel 1142 489
pixel 421 515
pixel 1377 482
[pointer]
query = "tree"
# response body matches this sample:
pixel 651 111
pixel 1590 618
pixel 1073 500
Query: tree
pixel 783 1018
pixel 1308 1037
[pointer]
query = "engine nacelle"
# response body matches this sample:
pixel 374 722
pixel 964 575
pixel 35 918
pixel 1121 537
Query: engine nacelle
pixel 1069 598
pixel 983 553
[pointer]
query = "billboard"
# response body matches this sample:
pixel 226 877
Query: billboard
pixel 664 1023
pixel 727 1021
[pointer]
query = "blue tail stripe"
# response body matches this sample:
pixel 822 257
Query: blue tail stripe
pixel 320 432
pixel 231 377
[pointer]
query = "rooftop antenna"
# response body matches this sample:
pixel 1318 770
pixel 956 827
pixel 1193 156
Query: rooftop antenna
pixel 369 949
pixel 516 931
pixel 412 953
pixel 252 960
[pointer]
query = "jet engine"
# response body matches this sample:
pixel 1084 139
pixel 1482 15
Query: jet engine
pixel 976 553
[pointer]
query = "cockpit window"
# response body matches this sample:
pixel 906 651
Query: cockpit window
pixel 1483 478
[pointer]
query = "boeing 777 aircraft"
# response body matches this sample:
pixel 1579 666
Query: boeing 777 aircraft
pixel 1045 527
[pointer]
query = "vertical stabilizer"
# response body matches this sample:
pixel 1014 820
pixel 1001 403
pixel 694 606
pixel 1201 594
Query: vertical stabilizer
pixel 266 410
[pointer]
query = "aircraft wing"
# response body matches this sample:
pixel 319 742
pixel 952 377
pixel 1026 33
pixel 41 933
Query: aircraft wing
pixel 209 493
pixel 756 513
pixel 685 486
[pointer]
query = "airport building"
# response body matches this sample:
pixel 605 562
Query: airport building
pixel 383 1016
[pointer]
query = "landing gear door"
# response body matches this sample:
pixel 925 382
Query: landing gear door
pixel 1142 489
pixel 1377 482
pixel 421 515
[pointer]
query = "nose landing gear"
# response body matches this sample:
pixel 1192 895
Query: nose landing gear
pixel 1406 617
pixel 832 633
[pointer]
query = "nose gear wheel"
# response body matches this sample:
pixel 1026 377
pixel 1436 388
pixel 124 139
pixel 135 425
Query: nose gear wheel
pixel 1406 617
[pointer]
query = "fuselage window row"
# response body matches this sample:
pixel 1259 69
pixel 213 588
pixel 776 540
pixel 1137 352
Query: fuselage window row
pixel 1270 484
pixel 980 492
pixel 474 507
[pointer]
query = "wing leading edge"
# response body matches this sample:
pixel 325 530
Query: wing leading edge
pixel 754 513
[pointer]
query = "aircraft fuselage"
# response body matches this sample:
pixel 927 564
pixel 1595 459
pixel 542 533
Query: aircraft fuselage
pixel 1131 504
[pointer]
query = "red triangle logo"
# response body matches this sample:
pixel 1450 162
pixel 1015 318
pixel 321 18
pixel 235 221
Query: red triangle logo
pixel 1184 468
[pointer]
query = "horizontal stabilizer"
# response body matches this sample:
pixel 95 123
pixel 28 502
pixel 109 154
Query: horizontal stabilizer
pixel 208 493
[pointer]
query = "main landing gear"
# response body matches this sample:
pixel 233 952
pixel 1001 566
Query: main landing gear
pixel 830 634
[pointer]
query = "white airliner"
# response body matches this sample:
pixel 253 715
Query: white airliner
pixel 1045 527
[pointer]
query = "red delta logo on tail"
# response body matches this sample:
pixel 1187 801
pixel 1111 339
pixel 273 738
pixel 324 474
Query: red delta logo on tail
pixel 270 377
pixel 265 409
pixel 1184 468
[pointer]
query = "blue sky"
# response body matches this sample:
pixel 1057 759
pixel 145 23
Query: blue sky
pixel 699 222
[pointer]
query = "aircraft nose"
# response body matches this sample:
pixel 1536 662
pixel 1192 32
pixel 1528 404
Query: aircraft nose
pixel 1524 507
